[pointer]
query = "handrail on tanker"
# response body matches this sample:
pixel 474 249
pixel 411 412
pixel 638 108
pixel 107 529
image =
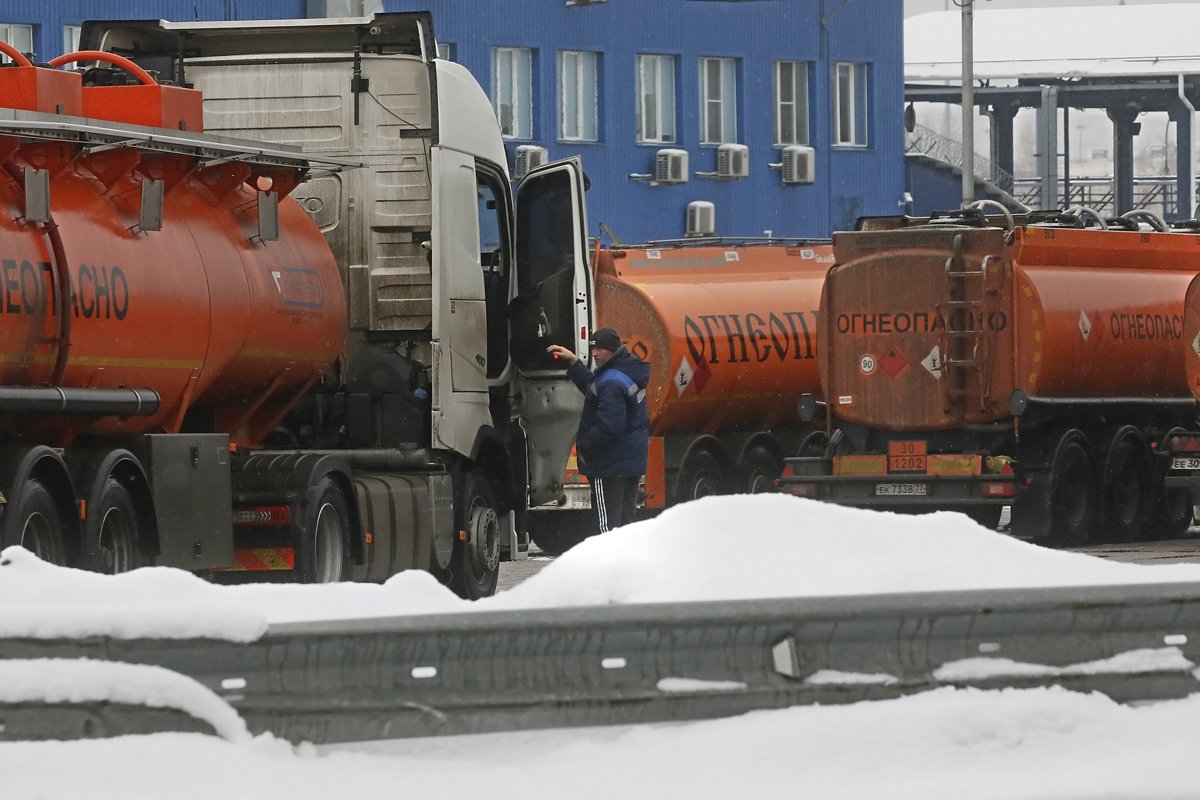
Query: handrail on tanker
pixel 1078 210
pixel 1152 219
pixel 16 55
pixel 1008 217
pixel 111 58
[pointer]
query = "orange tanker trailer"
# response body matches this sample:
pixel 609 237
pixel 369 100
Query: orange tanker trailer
pixel 971 363
pixel 730 331
pixel 140 294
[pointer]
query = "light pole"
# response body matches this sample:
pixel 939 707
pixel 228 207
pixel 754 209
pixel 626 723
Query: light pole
pixel 968 101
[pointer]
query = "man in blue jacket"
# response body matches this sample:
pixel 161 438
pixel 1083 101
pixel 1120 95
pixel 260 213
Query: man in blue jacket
pixel 613 432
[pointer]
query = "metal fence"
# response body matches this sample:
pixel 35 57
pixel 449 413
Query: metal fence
pixel 1157 193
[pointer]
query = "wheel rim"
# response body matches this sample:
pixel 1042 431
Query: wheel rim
pixel 485 538
pixel 116 542
pixel 759 481
pixel 38 537
pixel 327 558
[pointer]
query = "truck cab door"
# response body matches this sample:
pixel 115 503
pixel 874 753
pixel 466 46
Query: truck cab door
pixel 551 304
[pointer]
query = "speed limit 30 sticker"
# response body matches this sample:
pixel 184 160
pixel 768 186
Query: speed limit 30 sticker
pixel 867 364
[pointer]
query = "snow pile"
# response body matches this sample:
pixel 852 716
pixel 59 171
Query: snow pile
pixel 774 545
pixel 718 548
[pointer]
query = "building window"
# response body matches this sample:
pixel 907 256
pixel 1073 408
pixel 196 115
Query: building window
pixel 71 38
pixel 656 98
pixel 850 101
pixel 445 51
pixel 19 36
pixel 791 102
pixel 577 96
pixel 718 100
pixel 512 90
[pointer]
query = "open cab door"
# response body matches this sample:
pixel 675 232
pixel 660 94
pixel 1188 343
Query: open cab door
pixel 551 304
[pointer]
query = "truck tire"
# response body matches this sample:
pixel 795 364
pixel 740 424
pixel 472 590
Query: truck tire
pixel 118 537
pixel 759 470
pixel 475 565
pixel 1072 493
pixel 322 555
pixel 1125 487
pixel 701 476
pixel 556 532
pixel 33 522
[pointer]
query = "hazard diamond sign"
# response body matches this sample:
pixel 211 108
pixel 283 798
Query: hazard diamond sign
pixel 893 361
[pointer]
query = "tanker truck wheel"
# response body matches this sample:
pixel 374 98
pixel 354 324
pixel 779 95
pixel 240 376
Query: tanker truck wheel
pixel 1125 487
pixel 556 532
pixel 117 540
pixel 322 558
pixel 701 476
pixel 1072 492
pixel 475 566
pixel 760 470
pixel 32 521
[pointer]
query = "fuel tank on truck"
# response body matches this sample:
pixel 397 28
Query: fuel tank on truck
pixel 927 328
pixel 729 331
pixel 227 326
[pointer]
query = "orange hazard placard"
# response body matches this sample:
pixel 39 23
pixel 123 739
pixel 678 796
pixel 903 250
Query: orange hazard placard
pixel 907 456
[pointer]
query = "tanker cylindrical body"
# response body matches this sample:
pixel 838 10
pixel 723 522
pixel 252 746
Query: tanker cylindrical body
pixel 1041 365
pixel 730 332
pixel 227 328
pixel 933 328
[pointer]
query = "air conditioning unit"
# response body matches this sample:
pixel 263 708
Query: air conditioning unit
pixel 701 218
pixel 528 158
pixel 799 164
pixel 671 166
pixel 733 161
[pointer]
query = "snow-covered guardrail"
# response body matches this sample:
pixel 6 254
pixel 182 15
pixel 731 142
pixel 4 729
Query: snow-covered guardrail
pixel 491 671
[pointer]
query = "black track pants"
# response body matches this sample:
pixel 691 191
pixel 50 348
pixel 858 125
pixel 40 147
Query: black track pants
pixel 615 501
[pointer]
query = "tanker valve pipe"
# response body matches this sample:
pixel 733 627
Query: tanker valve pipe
pixel 82 402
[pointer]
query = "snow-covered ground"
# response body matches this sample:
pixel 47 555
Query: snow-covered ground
pixel 1046 743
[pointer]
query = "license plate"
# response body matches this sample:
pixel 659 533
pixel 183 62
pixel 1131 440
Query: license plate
pixel 1185 462
pixel 893 489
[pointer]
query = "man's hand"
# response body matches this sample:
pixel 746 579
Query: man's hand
pixel 558 351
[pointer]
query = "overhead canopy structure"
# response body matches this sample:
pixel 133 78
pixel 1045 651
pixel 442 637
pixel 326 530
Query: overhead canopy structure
pixel 1123 59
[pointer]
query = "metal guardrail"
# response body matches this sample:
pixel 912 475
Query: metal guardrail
pixel 476 672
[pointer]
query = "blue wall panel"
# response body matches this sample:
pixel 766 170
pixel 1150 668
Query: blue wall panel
pixel 849 181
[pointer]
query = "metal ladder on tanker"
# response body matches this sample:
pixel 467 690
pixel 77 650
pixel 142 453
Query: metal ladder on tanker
pixel 966 342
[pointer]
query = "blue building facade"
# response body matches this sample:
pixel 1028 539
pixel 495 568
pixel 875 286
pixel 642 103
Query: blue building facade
pixel 628 84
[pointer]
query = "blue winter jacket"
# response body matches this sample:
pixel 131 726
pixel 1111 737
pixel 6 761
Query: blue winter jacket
pixel 613 429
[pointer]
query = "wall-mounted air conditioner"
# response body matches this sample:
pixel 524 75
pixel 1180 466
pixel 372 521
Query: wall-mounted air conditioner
pixel 799 164
pixel 733 161
pixel 701 218
pixel 528 158
pixel 671 166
